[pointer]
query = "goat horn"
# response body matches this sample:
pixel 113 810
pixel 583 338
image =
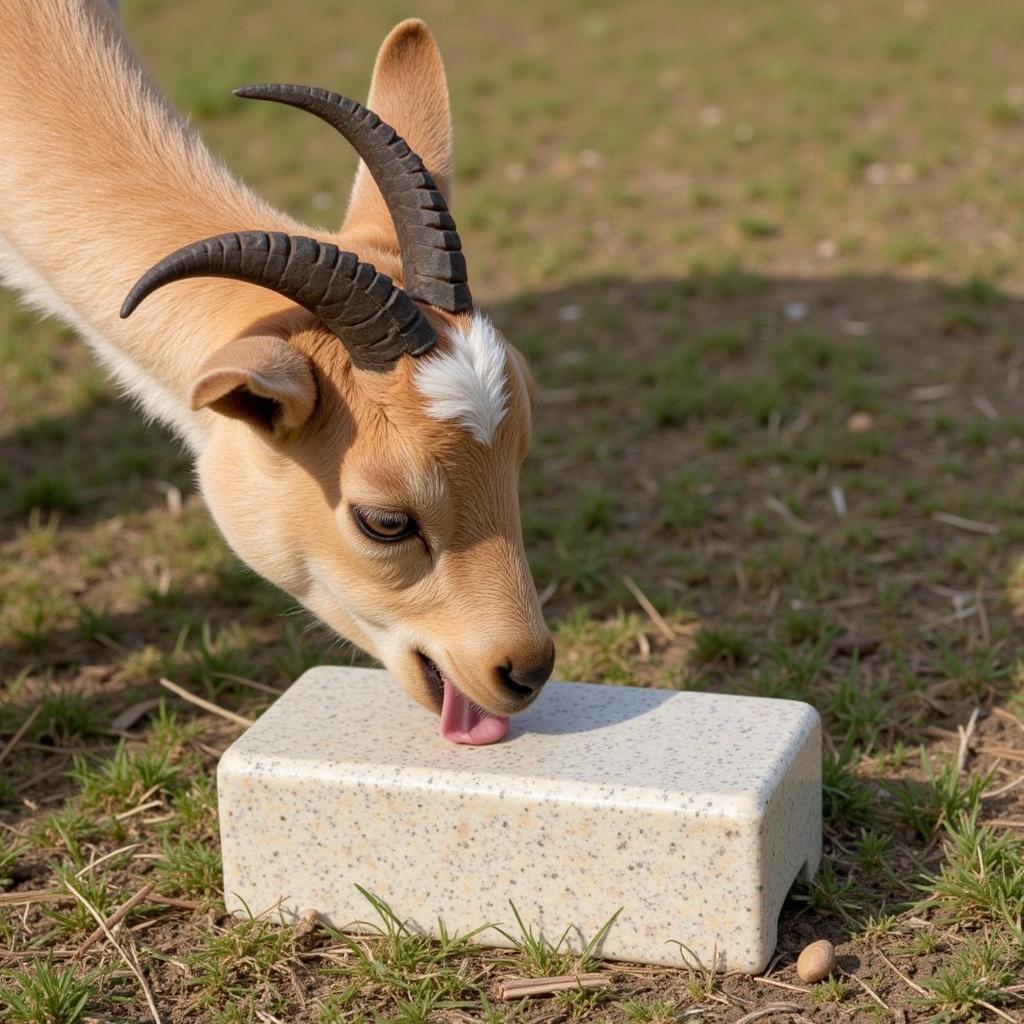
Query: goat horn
pixel 376 321
pixel 434 267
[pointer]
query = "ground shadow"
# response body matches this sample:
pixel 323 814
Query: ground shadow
pixel 605 345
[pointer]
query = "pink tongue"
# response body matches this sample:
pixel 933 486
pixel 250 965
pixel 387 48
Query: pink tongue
pixel 463 722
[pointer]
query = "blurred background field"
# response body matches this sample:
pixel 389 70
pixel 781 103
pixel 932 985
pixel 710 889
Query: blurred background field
pixel 765 260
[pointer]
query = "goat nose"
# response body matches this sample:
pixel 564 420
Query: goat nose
pixel 524 679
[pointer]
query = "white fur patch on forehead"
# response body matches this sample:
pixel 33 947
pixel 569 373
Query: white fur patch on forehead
pixel 467 384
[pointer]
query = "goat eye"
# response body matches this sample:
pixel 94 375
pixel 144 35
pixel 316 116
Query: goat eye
pixel 384 525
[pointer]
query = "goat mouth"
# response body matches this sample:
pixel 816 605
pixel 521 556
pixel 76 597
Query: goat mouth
pixel 462 720
pixel 434 679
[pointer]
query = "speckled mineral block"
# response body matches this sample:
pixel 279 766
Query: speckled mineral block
pixel 692 812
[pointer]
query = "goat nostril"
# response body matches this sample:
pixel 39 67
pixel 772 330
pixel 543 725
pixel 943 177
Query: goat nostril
pixel 526 680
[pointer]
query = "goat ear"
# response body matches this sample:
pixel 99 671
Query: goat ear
pixel 410 92
pixel 260 379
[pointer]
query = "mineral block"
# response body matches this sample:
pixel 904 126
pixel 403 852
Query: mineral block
pixel 691 814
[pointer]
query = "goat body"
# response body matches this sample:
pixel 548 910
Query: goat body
pixel 385 502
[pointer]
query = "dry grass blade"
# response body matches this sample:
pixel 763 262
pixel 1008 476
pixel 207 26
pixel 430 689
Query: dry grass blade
pixel 766 1011
pixel 25 899
pixel 131 961
pixel 985 407
pixel 173 901
pixel 838 496
pixel 782 984
pixel 968 525
pixel 784 512
pixel 1007 717
pixel 115 918
pixel 1002 1014
pixel 1007 752
pixel 966 735
pixel 93 864
pixel 148 806
pixel 24 728
pixel 991 794
pixel 899 974
pixel 306 923
pixel 523 988
pixel 231 677
pixel 869 990
pixel 652 613
pixel 199 702
pixel 268 1018
pixel 932 392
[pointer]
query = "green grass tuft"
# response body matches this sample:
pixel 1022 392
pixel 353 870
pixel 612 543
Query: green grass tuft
pixel 190 867
pixel 730 647
pixel 541 957
pixel 44 993
pixel 974 979
pixel 127 778
pixel 10 854
pixel 981 879
pixel 940 799
pixel 46 491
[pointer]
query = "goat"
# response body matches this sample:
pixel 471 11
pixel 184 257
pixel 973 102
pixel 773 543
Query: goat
pixel 358 426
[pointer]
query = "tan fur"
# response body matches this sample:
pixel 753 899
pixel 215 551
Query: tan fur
pixel 100 179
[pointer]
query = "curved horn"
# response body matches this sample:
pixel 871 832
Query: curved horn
pixel 373 319
pixel 434 267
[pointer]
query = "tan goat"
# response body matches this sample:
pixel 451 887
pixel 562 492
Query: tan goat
pixel 357 442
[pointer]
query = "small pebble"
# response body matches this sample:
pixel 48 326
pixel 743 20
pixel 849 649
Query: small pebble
pixel 860 423
pixel 816 962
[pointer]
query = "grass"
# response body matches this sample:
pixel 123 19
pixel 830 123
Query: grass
pixel 789 280
pixel 127 778
pixel 73 920
pixel 189 867
pixel 686 505
pixel 729 646
pixel 248 963
pixel 602 649
pixel 849 801
pixel 44 491
pixel 543 958
pixel 831 990
pixel 981 878
pixel 421 974
pixel 9 855
pixel 66 715
pixel 939 798
pixel 651 1011
pixel 47 994
pixel 972 982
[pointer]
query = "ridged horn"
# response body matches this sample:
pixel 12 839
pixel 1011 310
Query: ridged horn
pixel 376 321
pixel 434 267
